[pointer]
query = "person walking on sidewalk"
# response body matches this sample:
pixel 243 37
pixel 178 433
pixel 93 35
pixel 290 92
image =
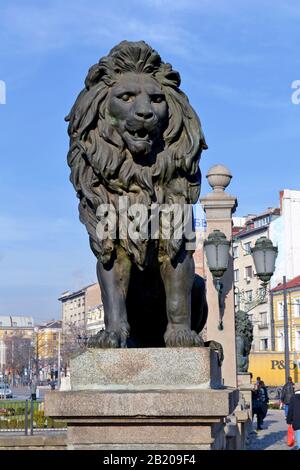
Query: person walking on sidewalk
pixel 293 416
pixel 286 395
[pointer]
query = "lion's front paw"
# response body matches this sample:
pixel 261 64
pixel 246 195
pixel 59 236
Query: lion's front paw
pixel 109 339
pixel 180 336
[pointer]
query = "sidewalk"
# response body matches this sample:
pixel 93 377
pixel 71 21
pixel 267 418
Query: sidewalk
pixel 274 433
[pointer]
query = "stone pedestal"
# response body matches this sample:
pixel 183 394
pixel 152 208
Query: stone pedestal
pixel 154 399
pixel 246 388
pixel 244 379
pixel 219 207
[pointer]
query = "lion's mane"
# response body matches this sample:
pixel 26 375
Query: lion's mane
pixel 103 169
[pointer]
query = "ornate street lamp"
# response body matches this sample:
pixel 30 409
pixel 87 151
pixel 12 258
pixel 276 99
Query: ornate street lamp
pixel 264 256
pixel 216 248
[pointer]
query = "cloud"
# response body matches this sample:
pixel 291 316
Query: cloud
pixel 36 29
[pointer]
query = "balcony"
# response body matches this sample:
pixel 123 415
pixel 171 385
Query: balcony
pixel 263 325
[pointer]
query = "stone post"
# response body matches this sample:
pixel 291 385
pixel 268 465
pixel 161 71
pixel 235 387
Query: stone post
pixel 219 207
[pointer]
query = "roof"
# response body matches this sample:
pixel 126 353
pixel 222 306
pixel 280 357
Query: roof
pixel 14 321
pixel 295 282
pixel 55 324
pixel 68 295
pixel 5 321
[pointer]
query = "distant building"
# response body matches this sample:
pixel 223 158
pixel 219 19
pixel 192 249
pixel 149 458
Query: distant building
pixel 284 232
pixel 247 285
pixel 11 325
pixel 47 339
pixel 95 320
pixel 76 306
pixel 293 309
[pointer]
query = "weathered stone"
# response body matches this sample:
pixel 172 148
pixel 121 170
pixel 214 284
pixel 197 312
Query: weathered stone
pixel 244 379
pixel 188 403
pixel 140 434
pixel 146 369
pixel 55 441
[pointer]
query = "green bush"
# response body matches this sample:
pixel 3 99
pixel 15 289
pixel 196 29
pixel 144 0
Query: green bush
pixel 12 416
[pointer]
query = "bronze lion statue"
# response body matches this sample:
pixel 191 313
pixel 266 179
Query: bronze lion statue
pixel 134 135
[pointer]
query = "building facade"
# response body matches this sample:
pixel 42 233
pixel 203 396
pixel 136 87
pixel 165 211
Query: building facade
pixel 292 289
pixel 284 232
pixel 13 325
pixel 95 320
pixel 249 295
pixel 76 306
pixel 16 346
pixel 48 340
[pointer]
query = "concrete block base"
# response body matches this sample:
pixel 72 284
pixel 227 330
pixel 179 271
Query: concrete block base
pixel 166 403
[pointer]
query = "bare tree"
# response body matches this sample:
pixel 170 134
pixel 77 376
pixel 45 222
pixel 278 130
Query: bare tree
pixel 19 354
pixel 73 343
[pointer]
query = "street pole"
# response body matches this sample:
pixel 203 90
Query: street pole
pixel 286 332
pixel 58 362
pixel 272 321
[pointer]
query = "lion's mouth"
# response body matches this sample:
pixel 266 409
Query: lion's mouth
pixel 139 134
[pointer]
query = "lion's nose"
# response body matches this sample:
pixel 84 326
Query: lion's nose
pixel 144 114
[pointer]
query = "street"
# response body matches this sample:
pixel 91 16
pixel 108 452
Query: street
pixel 274 433
pixel 23 392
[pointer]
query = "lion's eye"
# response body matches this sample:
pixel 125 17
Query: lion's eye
pixel 126 97
pixel 157 98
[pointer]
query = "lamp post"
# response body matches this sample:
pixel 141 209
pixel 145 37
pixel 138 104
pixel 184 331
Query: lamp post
pixel 264 255
pixel 216 248
pixel 286 332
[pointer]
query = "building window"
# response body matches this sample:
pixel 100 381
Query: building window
pixel 236 275
pixel 280 341
pixel 264 344
pixel 235 252
pixel 247 247
pixel 280 310
pixel 296 303
pixel 249 295
pixel 262 222
pixel 237 300
pixel 263 319
pixel 248 272
pixel 297 340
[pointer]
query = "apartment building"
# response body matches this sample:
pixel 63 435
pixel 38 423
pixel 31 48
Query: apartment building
pixel 249 295
pixel 16 325
pixel 292 289
pixel 76 306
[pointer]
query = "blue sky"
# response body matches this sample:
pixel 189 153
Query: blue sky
pixel 237 61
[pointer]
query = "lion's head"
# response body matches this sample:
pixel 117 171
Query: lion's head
pixel 133 133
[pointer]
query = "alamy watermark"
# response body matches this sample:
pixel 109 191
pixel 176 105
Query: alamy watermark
pixel 296 94
pixel 2 92
pixel 139 222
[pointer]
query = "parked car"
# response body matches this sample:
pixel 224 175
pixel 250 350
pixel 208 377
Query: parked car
pixel 5 391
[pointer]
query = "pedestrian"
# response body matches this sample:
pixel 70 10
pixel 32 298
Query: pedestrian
pixel 257 408
pixel 264 398
pixel 52 384
pixel 258 379
pixel 33 387
pixel 293 416
pixel 286 394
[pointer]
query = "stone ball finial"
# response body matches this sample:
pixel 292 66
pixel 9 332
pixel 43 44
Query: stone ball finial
pixel 219 177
